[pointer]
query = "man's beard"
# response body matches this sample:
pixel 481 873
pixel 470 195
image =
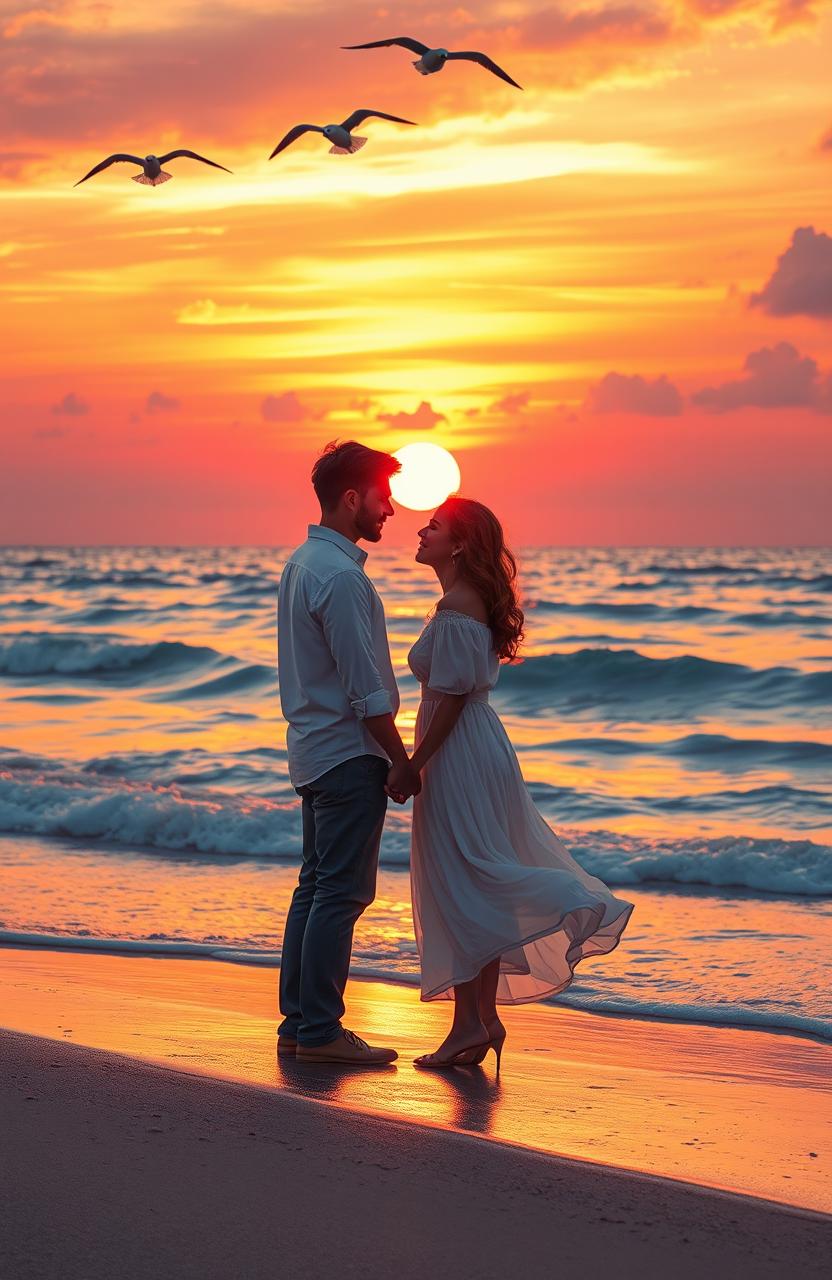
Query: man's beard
pixel 368 528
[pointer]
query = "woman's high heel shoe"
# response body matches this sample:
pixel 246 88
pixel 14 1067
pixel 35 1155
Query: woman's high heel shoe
pixel 464 1058
pixel 497 1045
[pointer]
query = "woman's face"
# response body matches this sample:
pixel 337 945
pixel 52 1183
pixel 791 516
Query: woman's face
pixel 435 542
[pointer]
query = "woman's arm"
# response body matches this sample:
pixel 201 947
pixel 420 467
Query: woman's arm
pixel 442 722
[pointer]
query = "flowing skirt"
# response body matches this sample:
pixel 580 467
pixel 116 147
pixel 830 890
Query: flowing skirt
pixel 490 878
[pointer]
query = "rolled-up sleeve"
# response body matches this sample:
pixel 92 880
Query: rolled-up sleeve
pixel 344 607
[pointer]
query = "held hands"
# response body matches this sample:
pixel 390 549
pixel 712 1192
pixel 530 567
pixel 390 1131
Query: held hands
pixel 403 781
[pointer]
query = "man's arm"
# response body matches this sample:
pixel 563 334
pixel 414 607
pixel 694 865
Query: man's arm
pixel 344 608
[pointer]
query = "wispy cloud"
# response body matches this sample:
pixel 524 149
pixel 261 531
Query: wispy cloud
pixel 514 402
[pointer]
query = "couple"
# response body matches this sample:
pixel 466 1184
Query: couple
pixel 502 912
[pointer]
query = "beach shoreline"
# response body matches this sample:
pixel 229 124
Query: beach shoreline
pixel 662 1099
pixel 120 1166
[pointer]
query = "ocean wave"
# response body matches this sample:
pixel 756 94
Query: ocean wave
pixel 724 1015
pixel 39 562
pixel 758 572
pixel 33 653
pixel 251 593
pixel 146 815
pixel 643 686
pixel 29 604
pixel 783 618
pixel 183 767
pixel 241 579
pixel 726 752
pixel 402 970
pixel 714 568
pixel 637 610
pixel 247 679
pixel 797 808
pixel 798 867
pixel 134 815
pixel 80 581
pixel 106 614
pixel 708 750
pixel 647 611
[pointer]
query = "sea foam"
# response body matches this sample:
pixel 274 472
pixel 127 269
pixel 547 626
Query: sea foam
pixel 142 815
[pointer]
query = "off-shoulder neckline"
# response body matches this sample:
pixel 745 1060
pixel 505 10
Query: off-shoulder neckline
pixel 457 613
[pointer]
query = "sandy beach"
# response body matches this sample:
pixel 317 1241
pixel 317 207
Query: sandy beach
pixel 145 1106
pixel 116 1166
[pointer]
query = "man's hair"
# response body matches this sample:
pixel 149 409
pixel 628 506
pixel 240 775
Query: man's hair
pixel 349 466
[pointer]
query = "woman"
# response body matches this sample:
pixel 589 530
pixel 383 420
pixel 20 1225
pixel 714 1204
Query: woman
pixel 502 912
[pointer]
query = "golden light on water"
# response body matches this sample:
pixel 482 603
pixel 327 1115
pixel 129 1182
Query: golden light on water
pixel 429 474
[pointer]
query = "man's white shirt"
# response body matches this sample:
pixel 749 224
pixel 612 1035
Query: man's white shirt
pixel 333 655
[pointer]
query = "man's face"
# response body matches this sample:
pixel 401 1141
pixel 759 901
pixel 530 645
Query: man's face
pixel 373 509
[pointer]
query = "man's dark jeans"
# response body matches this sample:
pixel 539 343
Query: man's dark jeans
pixel 343 814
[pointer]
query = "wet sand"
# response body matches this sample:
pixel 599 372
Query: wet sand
pixel 736 1109
pixel 112 1166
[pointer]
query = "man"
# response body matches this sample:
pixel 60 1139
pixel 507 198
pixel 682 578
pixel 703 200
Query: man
pixel 339 695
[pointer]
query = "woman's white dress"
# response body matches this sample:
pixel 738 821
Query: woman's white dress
pixel 488 875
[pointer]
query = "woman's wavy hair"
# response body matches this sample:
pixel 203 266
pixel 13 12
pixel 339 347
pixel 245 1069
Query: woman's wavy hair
pixel 486 562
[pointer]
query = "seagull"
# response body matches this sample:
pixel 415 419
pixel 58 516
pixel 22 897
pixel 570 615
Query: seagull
pixel 153 174
pixel 340 135
pixel 433 60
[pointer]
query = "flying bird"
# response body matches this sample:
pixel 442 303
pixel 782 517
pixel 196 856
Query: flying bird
pixel 340 135
pixel 432 60
pixel 152 175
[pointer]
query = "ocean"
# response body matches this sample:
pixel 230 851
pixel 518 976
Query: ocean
pixel 671 717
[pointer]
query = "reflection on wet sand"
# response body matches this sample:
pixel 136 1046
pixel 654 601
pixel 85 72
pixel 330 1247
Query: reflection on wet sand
pixel 463 1098
pixel 673 1099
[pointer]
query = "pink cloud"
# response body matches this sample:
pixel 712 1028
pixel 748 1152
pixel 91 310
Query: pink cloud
pixel 71 405
pixel 621 24
pixel 801 284
pixel 775 378
pixel 158 402
pixel 424 418
pixel 622 393
pixel 238 76
pixel 283 408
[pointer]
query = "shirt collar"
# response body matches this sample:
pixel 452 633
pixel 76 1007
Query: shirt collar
pixel 332 535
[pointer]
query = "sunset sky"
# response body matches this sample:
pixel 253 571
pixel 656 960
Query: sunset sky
pixel 610 295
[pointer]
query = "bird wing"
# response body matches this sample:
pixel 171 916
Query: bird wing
pixel 192 155
pixel 405 41
pixel 111 160
pixel 484 61
pixel 359 116
pixel 294 133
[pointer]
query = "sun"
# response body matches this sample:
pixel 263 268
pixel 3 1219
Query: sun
pixel 429 473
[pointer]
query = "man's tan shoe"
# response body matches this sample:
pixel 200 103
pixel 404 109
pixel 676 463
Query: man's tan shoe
pixel 349 1050
pixel 286 1047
